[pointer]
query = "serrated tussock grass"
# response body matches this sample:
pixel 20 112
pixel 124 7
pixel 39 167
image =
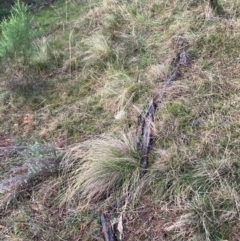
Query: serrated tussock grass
pixel 193 163
pixel 102 170
pixel 105 61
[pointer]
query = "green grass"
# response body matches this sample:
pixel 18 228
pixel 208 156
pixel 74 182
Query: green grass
pixel 94 68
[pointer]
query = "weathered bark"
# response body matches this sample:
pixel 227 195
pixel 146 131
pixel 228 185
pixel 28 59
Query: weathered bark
pixel 144 129
pixel 147 137
pixel 139 132
pixel 107 229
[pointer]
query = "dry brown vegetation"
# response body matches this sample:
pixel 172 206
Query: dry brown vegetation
pixel 93 69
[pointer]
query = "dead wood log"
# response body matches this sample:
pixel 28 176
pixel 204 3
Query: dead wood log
pixel 181 59
pixel 144 129
pixel 139 132
pixel 147 137
pixel 107 229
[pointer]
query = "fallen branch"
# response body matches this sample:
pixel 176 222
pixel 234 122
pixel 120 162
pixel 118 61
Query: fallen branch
pixel 146 139
pixel 144 133
pixel 107 229
pixel 139 132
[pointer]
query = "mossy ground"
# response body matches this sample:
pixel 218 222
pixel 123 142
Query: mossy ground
pixel 95 67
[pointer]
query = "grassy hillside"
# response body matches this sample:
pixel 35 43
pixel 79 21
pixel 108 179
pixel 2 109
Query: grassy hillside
pixel 92 70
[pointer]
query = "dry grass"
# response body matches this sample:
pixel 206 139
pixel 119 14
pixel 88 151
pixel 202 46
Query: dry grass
pixel 104 169
pixel 98 49
pixel 41 47
pixel 103 65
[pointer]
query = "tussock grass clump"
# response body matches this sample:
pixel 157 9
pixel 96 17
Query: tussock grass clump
pixel 105 60
pixel 98 49
pixel 101 169
pixel 41 56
